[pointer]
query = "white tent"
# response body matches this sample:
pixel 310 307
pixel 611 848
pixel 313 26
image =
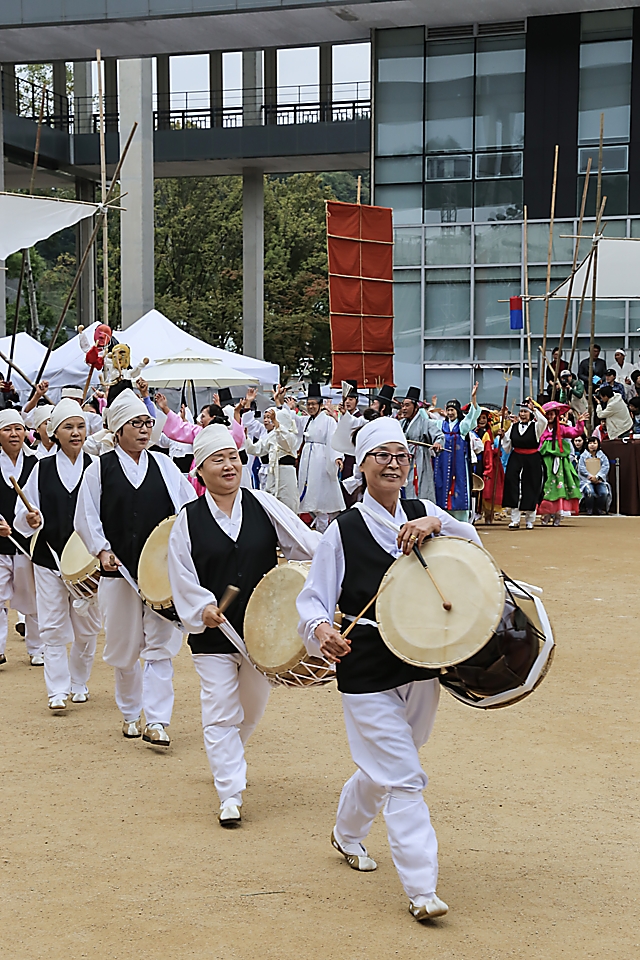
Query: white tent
pixel 155 337
pixel 618 276
pixel 28 355
pixel 25 220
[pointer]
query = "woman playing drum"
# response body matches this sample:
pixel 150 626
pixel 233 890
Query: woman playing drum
pixel 227 538
pixel 389 705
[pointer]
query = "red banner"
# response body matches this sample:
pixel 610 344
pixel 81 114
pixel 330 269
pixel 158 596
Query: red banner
pixel 360 248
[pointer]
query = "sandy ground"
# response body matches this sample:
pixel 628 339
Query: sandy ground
pixel 113 850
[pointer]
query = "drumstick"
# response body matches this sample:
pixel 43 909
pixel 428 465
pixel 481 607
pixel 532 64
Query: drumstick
pixel 16 544
pixel 416 550
pixel 364 609
pixel 228 597
pixel 20 493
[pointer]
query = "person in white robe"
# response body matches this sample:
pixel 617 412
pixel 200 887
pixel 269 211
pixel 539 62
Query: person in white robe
pixel 279 445
pixel 623 370
pixel 227 538
pixel 318 485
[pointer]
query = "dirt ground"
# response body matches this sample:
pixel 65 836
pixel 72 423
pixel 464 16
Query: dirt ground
pixel 110 849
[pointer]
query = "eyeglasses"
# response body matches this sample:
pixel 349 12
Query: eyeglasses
pixel 139 424
pixel 384 458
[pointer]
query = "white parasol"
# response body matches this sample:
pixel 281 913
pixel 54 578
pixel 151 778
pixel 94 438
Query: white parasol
pixel 189 366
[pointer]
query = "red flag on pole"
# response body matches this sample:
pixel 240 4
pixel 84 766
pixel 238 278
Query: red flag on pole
pixel 360 249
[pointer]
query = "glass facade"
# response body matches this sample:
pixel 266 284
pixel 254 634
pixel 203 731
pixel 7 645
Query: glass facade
pixel 449 141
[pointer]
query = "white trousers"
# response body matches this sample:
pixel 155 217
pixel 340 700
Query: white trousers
pixel 322 521
pixel 233 697
pixel 61 625
pixel 134 631
pixel 529 515
pixel 385 731
pixel 286 490
pixel 18 588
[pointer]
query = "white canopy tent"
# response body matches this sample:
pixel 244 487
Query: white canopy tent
pixel 28 355
pixel 25 220
pixel 618 273
pixel 155 337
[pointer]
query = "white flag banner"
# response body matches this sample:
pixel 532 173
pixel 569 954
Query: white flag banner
pixel 618 274
pixel 26 220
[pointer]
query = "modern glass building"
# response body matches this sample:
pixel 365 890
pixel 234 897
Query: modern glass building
pixel 465 126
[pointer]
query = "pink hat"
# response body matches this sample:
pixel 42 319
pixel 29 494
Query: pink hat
pixel 559 408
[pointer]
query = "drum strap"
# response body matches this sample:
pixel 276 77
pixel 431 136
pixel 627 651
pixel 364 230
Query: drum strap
pixel 362 620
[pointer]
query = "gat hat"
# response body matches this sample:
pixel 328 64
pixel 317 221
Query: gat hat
pixel 386 395
pixel 314 392
pixel 224 394
pixel 353 392
pixel 413 393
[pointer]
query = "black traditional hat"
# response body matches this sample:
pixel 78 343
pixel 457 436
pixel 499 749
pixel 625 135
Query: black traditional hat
pixel 314 392
pixel 413 393
pixel 224 393
pixel 386 395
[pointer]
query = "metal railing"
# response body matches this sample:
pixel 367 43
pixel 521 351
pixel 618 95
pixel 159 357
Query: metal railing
pixel 24 98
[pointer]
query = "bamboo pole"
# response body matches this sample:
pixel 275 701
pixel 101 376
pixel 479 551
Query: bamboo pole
pixel 581 307
pixel 549 257
pixel 85 255
pixel 527 318
pixel 567 305
pixel 599 212
pixel 103 184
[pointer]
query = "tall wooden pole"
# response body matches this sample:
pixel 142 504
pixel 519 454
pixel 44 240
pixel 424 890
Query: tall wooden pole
pixel 527 318
pixel 567 305
pixel 549 257
pixel 599 212
pixel 103 184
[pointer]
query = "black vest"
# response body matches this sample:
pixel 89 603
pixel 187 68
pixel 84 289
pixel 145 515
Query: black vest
pixel 220 562
pixel 128 515
pixel 8 498
pixel 526 440
pixel 370 667
pixel 57 507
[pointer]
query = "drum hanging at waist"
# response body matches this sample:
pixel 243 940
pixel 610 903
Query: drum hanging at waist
pixel 153 572
pixel 79 570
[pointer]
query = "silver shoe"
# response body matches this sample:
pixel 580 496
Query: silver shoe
pixel 434 907
pixel 230 816
pixel 37 660
pixel 80 697
pixel 156 735
pixel 132 729
pixel 362 862
pixel 58 703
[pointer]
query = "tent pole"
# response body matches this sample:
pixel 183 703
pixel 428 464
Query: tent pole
pixel 549 257
pixel 599 212
pixel 103 184
pixel 526 300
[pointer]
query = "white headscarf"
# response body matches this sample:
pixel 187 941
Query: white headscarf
pixel 62 411
pixel 127 406
pixel 7 417
pixel 377 432
pixel 213 438
pixel 42 414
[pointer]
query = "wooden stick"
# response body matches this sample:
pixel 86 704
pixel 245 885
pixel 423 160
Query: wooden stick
pixel 228 597
pixel 19 491
pixel 527 318
pixel 599 212
pixel 571 279
pixel 580 308
pixel 87 383
pixel 418 553
pixel 21 373
pixel 364 609
pixel 103 183
pixel 359 188
pixel 549 258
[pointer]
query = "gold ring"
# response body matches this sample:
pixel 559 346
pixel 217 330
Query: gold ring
pixel 413 537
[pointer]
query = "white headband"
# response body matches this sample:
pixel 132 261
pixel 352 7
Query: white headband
pixel 213 438
pixel 377 432
pixel 620 350
pixel 127 406
pixel 9 417
pixel 42 414
pixel 62 411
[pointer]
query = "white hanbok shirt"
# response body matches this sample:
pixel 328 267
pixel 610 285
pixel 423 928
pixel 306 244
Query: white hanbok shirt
pixel 319 597
pixel 87 520
pixel 69 473
pixel 190 598
pixel 516 430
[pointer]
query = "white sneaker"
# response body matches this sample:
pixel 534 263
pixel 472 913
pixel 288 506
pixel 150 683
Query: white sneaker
pixel 156 735
pixel 132 729
pixel 513 526
pixel 37 660
pixel 80 697
pixel 429 909
pixel 529 524
pixel 230 816
pixel 357 861
pixel 57 703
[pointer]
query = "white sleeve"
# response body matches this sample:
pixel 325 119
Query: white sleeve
pixel 87 520
pixel 180 490
pixel 450 526
pixel 256 448
pixel 318 598
pixel 189 597
pixel 32 494
pixel 297 541
pixel 541 422
pixel 506 440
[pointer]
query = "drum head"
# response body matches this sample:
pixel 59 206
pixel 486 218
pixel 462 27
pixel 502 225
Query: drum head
pixel 153 568
pixel 411 618
pixel 76 562
pixel 271 619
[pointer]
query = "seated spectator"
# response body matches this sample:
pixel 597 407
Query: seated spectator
pixel 550 375
pixel 634 410
pixel 635 380
pixel 610 378
pixel 613 410
pixel 599 367
pixel 594 489
pixel 579 445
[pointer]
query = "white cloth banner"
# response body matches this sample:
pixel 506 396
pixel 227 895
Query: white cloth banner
pixel 26 220
pixel 618 276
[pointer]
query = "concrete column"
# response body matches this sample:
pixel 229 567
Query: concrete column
pixel 253 263
pixel 252 82
pixel 3 273
pixel 163 88
pixel 60 95
pixel 86 295
pixel 82 98
pixel 216 87
pixel 271 84
pixel 136 222
pixel 326 80
pixel 111 94
pixel 9 87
